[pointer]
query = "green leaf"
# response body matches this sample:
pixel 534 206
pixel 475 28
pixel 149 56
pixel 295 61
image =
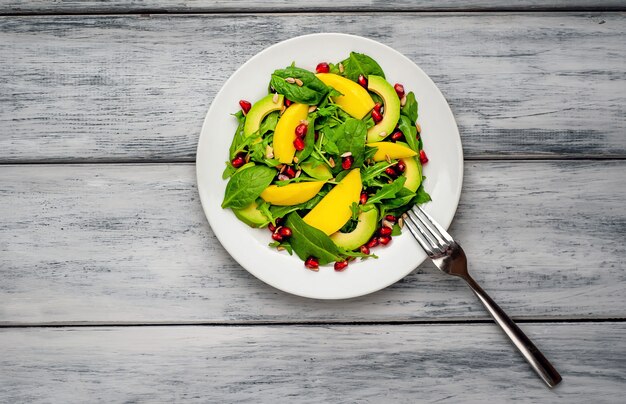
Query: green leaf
pixel 370 172
pixel 422 196
pixel 228 171
pixel 309 141
pixel 307 241
pixel 396 230
pixel 402 198
pixel 269 123
pixel 359 63
pixel 410 132
pixel 284 244
pixel 312 91
pixel 350 137
pixel 264 207
pixel 238 139
pixel 410 107
pixel 246 185
pixel 388 191
pixel 282 211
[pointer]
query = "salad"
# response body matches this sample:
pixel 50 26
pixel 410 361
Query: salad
pixel 327 161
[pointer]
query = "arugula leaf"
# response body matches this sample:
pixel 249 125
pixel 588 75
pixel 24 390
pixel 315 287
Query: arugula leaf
pixel 284 244
pixel 422 196
pixel 350 137
pixel 410 108
pixel 409 131
pixel 402 198
pixel 282 211
pixel 269 123
pixel 312 92
pixel 396 230
pixel 228 171
pixel 359 63
pixel 246 185
pixel 373 171
pixel 264 207
pixel 388 191
pixel 307 241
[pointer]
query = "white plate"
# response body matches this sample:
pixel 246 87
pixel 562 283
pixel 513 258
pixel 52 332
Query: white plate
pixel 249 246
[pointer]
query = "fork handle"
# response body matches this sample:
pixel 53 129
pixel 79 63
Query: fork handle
pixel 535 358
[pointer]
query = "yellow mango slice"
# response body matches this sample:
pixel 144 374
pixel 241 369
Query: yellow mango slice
pixel 285 132
pixel 355 100
pixel 291 194
pixel 333 211
pixel 393 150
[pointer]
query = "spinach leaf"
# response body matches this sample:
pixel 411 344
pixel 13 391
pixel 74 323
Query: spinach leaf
pixel 410 108
pixel 388 191
pixel 422 196
pixel 350 137
pixel 312 91
pixel 409 131
pixel 238 139
pixel 246 185
pixel 359 63
pixel 228 171
pixel 307 241
pixel 269 123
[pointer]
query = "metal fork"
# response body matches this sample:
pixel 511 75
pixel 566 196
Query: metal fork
pixel 449 257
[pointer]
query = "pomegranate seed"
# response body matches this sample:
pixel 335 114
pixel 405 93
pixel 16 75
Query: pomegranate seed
pixel 372 243
pixel 301 130
pixel 384 240
pixel 363 198
pixel 288 102
pixel 290 172
pixel 322 68
pixel 277 237
pixel 298 144
pixel 377 106
pixel 279 221
pixel 400 167
pixel 395 136
pixel 238 161
pixel 423 157
pixel 271 228
pixel 346 162
pixel 341 265
pixel 376 116
pixel 391 172
pixel 245 106
pixel 285 232
pixel 391 218
pixel 363 82
pixel 365 250
pixel 312 263
pixel 385 231
pixel 399 90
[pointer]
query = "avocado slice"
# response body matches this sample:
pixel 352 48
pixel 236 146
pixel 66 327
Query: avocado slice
pixel 361 234
pixel 259 110
pixel 413 173
pixel 317 170
pixel 251 216
pixel 391 103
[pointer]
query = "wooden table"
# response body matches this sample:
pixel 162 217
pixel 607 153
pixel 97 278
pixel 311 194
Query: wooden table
pixel 113 287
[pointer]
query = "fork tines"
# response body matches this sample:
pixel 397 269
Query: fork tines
pixel 431 236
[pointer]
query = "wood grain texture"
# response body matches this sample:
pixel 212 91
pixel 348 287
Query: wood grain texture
pixel 130 244
pixel 136 88
pixel 309 364
pixel 239 6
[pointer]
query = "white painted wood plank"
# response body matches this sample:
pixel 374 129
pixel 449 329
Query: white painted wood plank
pixel 136 88
pixel 130 244
pixel 239 6
pixel 309 364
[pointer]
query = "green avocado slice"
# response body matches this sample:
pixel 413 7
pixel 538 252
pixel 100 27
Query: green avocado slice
pixel 259 110
pixel 391 104
pixel 413 173
pixel 251 216
pixel 361 234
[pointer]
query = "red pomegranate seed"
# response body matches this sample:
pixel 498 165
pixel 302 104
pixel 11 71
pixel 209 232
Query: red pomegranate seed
pixel 384 240
pixel 365 250
pixel 312 263
pixel 301 130
pixel 245 106
pixel 322 68
pixel 238 161
pixel 279 221
pixel 271 228
pixel 341 265
pixel 391 172
pixel 385 231
pixel 400 167
pixel 377 106
pixel 399 90
pixel 372 243
pixel 423 157
pixel 285 232
pixel 376 116
pixel 395 136
pixel 288 102
pixel 346 162
pixel 298 144
pixel 363 82
pixel 277 236
pixel 391 218
pixel 363 198
pixel 290 172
